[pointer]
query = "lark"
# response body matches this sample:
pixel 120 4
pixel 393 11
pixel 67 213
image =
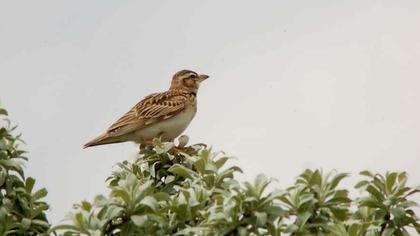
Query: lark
pixel 162 115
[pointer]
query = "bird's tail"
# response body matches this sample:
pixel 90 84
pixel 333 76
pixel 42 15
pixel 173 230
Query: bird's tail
pixel 101 140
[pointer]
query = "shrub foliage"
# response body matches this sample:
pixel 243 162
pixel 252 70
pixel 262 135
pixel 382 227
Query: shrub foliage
pixel 195 193
pixel 22 211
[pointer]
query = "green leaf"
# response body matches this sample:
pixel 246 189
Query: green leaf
pixel 41 223
pixel 114 212
pixel 78 219
pixel 366 173
pixel 150 202
pixel 340 214
pixel 139 220
pixel 221 161
pixel 390 181
pixel 413 192
pixel 302 218
pixel 316 178
pixel 14 165
pixel 217 217
pixel 29 184
pixel 337 179
pixel 378 195
pixel 228 173
pixel 407 204
pixel 100 200
pixel 86 206
pixel 26 223
pixel 402 177
pixel 159 219
pixel 163 147
pixel 398 212
pixel 3 112
pixel 121 193
pixel 40 194
pixel 261 182
pixel 361 184
pixel 182 171
pixel 261 218
pixel 291 228
pixel 68 227
pixel 169 179
pixel 200 165
pixel 370 202
pixel 337 229
pixel 3 175
pixel 195 231
pixel 161 196
pixel 388 232
pixel 276 211
pixel 354 230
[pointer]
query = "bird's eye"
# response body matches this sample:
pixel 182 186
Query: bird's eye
pixel 193 76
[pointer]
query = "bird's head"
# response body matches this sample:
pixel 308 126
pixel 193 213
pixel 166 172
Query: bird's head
pixel 187 80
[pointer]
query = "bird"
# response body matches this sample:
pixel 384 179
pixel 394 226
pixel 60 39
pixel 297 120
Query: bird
pixel 163 115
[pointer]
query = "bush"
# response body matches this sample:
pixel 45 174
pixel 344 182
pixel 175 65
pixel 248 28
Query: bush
pixel 193 193
pixel 21 210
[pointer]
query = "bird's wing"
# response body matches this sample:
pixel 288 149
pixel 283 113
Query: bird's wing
pixel 153 108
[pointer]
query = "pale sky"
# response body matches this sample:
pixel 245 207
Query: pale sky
pixel 294 84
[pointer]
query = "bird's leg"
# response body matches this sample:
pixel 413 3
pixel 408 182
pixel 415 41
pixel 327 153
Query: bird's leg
pixel 145 143
pixel 177 150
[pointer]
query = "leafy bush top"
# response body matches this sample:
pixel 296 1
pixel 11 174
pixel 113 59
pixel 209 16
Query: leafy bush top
pixel 194 193
pixel 21 210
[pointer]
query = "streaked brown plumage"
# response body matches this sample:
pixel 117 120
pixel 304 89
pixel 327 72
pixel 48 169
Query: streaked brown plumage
pixel 165 115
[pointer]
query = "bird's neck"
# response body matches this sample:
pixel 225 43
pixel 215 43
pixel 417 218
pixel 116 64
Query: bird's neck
pixel 185 90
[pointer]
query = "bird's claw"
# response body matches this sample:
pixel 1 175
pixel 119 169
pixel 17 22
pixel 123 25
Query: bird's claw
pixel 178 150
pixel 181 148
pixel 144 144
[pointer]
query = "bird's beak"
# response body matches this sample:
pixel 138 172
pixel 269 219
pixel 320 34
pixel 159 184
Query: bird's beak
pixel 201 78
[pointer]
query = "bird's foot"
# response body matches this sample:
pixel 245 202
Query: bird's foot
pixel 178 150
pixel 144 144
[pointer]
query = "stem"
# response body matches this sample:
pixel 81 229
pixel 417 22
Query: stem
pixel 383 225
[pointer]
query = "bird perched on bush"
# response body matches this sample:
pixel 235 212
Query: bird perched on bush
pixel 165 115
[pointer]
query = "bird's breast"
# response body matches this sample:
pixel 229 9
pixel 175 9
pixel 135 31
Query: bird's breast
pixel 183 118
pixel 170 128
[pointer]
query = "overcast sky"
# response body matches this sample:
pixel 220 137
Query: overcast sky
pixel 294 84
